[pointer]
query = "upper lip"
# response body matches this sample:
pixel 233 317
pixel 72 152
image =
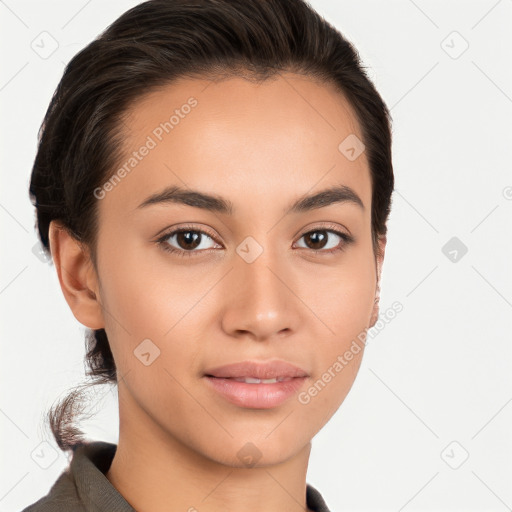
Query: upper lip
pixel 258 370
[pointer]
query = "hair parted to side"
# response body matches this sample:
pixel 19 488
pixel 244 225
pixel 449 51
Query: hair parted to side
pixel 151 45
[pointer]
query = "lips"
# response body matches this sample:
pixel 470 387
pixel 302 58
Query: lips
pixel 275 369
pixel 257 384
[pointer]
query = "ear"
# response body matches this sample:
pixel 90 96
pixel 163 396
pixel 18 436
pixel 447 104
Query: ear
pixel 379 261
pixel 77 276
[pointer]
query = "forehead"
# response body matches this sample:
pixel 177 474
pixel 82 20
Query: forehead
pixel 277 138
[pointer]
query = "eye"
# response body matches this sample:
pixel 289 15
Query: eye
pixel 319 239
pixel 187 241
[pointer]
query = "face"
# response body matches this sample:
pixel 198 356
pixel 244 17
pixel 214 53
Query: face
pixel 249 278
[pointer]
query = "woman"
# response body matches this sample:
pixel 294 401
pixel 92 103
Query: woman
pixel 213 181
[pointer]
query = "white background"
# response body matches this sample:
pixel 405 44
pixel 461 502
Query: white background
pixel 439 372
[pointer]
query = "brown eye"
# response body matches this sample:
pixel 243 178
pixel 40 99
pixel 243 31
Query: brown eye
pixel 316 239
pixel 326 240
pixel 186 242
pixel 188 239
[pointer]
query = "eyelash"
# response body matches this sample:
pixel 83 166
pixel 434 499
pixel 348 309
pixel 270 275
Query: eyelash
pixel 347 239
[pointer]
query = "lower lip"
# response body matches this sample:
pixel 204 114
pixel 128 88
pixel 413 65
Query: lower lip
pixel 256 396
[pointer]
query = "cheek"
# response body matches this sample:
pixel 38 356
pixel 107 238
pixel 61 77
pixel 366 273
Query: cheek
pixel 152 299
pixel 343 301
pixel 342 296
pixel 135 302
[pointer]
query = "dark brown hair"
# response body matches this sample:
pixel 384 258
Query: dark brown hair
pixel 153 44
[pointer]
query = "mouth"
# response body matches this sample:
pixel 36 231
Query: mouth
pixel 254 372
pixel 254 380
pixel 257 385
pixel 252 393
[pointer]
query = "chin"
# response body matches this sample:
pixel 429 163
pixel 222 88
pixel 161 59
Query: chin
pixel 245 453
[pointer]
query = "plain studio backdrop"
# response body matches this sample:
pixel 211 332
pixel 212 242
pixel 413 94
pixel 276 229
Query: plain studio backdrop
pixel 427 424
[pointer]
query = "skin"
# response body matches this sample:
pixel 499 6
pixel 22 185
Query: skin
pixel 262 146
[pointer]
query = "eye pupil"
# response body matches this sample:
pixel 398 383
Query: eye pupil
pixel 188 237
pixel 316 239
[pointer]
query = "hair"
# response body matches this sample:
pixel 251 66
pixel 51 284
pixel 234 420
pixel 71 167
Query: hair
pixel 150 46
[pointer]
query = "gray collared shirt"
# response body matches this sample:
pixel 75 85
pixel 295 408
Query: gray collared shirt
pixel 83 486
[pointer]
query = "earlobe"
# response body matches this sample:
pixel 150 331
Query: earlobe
pixel 77 276
pixel 379 262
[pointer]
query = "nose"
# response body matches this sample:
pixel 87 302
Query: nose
pixel 260 302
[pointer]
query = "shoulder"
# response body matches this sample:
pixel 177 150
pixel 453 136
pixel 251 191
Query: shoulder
pixel 83 486
pixel 62 496
pixel 315 500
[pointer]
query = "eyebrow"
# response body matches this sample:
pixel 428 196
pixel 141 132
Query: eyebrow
pixel 214 203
